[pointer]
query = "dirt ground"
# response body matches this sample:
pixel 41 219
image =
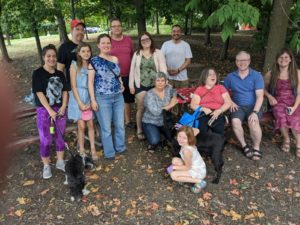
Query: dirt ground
pixel 135 188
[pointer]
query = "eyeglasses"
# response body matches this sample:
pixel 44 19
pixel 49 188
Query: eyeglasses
pixel 145 40
pixel 116 26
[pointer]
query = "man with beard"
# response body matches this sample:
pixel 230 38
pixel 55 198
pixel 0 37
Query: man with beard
pixel 178 56
pixel 122 48
pixel 67 51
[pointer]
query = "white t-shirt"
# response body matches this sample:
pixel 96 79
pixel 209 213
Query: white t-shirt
pixel 175 54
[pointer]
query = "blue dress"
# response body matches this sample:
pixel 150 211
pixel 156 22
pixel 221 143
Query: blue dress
pixel 74 113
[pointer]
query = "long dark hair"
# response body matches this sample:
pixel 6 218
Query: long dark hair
pixel 293 70
pixel 140 47
pixel 204 75
pixel 79 59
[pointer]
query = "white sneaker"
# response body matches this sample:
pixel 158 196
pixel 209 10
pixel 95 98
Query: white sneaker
pixel 47 172
pixel 60 165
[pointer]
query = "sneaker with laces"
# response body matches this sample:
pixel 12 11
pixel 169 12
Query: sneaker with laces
pixel 197 188
pixel 47 172
pixel 60 165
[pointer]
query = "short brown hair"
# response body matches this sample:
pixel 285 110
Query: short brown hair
pixel 204 75
pixel 189 133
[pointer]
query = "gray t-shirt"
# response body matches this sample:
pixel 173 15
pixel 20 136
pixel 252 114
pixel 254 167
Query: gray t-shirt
pixel 175 54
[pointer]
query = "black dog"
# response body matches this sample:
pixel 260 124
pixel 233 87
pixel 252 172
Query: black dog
pixel 75 175
pixel 209 143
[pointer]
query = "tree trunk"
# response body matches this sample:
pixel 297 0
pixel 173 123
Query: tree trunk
pixel 186 22
pixel 63 36
pixel 73 13
pixel 141 17
pixel 207 41
pixel 191 22
pixel 157 24
pixel 278 29
pixel 37 39
pixel 224 52
pixel 8 39
pixel 3 48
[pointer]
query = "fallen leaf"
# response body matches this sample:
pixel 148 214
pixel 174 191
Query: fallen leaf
pixel 202 203
pixel 170 189
pixel 234 216
pixel 28 182
pixel 207 196
pixel 19 212
pixel 93 177
pixel 23 201
pixel 254 175
pixel 60 217
pixel 44 192
pixel 235 192
pixel 153 206
pixel 170 208
pixel 233 182
pixel 94 189
pixel 93 209
pixel 205 222
pixel 133 204
pixel 117 201
pixel 130 212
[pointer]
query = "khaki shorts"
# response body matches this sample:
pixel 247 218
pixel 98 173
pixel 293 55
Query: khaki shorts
pixel 179 84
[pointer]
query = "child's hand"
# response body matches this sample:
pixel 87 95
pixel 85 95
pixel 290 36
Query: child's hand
pixel 170 169
pixel 52 114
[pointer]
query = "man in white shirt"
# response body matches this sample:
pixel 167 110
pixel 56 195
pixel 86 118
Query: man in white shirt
pixel 178 56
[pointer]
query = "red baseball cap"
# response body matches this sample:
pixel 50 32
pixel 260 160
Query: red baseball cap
pixel 75 23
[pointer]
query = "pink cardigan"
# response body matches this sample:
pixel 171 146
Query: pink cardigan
pixel 135 69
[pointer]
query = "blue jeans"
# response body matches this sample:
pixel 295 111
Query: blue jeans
pixel 111 109
pixel 152 133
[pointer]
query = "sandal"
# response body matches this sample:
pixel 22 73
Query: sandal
pixel 248 152
pixel 285 147
pixel 197 188
pixel 140 136
pixel 257 154
pixel 298 152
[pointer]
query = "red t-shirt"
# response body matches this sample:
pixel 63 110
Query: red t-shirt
pixel 211 99
pixel 123 50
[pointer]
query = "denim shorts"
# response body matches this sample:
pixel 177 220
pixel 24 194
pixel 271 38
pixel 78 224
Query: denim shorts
pixel 243 112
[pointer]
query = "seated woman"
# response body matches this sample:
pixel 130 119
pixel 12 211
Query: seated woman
pixel 282 89
pixel 214 100
pixel 162 96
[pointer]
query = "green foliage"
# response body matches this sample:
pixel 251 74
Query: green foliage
pixel 229 15
pixel 295 41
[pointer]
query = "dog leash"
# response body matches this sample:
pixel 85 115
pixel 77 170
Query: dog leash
pixel 59 131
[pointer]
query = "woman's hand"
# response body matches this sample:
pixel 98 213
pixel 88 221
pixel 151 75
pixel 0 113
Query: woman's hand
pixel 132 91
pixel 216 113
pixel 272 100
pixel 52 114
pixel 290 110
pixel 233 107
pixel 94 105
pixel 61 111
pixel 207 111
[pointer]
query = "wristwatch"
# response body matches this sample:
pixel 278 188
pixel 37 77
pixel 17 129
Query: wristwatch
pixel 254 111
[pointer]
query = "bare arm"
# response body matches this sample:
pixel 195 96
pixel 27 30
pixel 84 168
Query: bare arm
pixel 73 73
pixel 174 72
pixel 91 78
pixel 62 109
pixel 46 105
pixel 171 104
pixel 187 161
pixel 196 102
pixel 226 105
pixel 253 118
pixel 270 98
pixel 297 101
pixel 61 67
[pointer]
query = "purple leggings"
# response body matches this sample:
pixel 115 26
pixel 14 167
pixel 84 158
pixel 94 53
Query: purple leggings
pixel 43 125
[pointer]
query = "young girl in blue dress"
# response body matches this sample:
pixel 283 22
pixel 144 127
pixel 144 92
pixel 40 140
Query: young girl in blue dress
pixel 79 108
